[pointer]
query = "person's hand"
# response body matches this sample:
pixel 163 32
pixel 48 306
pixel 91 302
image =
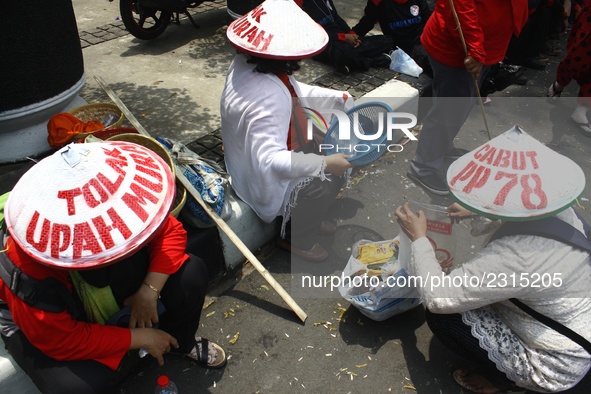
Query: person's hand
pixel 155 342
pixel 456 211
pixel 337 164
pixel 353 40
pixel 473 66
pixel 144 311
pixel 413 225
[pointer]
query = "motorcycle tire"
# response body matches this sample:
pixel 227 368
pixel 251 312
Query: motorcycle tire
pixel 143 22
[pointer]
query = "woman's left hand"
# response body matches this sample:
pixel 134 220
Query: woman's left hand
pixel 144 312
pixel 413 225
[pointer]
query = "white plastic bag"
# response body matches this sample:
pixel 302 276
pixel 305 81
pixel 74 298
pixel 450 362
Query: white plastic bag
pixel 373 286
pixel 439 233
pixel 404 64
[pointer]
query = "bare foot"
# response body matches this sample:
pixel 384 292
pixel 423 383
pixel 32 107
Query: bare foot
pixel 471 380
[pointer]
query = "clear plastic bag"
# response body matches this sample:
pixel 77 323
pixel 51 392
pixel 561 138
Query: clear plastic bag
pixel 373 288
pixel 404 64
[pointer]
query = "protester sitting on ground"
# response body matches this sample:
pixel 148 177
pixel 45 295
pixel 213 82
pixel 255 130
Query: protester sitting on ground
pixel 94 266
pixel 577 65
pixel 474 315
pixel 403 20
pixel 273 165
pixel 347 50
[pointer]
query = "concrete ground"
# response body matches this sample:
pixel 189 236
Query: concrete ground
pixel 173 84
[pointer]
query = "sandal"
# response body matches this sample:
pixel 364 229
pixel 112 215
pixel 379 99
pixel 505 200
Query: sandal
pixel 553 93
pixel 208 354
pixel 460 376
pixel 584 127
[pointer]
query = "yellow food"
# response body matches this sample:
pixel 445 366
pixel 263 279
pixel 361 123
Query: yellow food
pixel 375 254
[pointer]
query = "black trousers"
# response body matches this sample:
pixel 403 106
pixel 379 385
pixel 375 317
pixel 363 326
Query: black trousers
pixel 457 336
pixel 312 204
pixel 339 53
pixel 532 40
pixel 183 297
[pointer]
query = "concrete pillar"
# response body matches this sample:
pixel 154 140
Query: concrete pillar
pixel 42 72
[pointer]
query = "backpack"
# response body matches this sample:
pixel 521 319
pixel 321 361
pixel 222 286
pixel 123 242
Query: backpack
pixel 49 294
pixel 207 177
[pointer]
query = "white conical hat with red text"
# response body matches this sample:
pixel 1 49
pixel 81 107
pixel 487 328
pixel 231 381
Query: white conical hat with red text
pixel 91 204
pixel 515 177
pixel 278 29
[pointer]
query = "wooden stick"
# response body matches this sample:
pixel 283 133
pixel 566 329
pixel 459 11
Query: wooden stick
pixel 212 214
pixel 481 104
pixel 241 246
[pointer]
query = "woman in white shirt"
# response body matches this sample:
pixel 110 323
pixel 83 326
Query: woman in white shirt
pixel 472 314
pixel 260 124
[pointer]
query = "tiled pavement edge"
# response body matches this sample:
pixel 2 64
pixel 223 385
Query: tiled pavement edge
pixel 116 29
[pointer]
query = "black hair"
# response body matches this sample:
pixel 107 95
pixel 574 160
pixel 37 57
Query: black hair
pixel 274 66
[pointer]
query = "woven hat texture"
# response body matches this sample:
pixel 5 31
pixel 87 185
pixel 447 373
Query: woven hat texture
pixel 515 177
pixel 91 204
pixel 278 29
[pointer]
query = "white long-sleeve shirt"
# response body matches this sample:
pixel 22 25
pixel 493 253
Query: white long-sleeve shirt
pixel 530 353
pixel 256 112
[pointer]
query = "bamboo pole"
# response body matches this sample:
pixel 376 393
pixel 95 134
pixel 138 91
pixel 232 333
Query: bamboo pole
pixel 481 104
pixel 214 216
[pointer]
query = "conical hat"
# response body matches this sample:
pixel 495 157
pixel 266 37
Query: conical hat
pixel 90 204
pixel 515 177
pixel 277 29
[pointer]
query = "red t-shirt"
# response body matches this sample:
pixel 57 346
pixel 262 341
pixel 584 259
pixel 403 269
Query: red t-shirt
pixel 63 338
pixel 487 26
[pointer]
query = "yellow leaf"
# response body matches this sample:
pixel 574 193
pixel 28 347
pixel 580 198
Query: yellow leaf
pixel 208 303
pixel 235 338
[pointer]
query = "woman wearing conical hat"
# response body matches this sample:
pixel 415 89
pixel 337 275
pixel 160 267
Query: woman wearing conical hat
pixel 268 153
pixel 528 262
pixel 93 264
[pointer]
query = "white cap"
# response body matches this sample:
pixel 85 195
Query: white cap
pixel 91 204
pixel 515 177
pixel 278 29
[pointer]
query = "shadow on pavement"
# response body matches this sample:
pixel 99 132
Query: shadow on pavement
pixel 169 113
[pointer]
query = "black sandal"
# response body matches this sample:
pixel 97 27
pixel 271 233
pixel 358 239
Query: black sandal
pixel 202 358
pixel 553 93
pixel 459 375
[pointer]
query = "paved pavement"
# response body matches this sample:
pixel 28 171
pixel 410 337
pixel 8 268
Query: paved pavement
pixel 173 85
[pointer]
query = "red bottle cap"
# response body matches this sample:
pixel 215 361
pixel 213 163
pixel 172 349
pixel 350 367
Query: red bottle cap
pixel 163 381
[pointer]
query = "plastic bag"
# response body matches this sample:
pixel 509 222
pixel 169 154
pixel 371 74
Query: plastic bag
pixel 439 233
pixel 404 64
pixel 207 177
pixel 376 273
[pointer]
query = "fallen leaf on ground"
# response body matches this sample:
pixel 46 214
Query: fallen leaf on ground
pixel 235 338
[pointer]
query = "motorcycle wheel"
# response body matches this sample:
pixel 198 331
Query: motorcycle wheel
pixel 143 22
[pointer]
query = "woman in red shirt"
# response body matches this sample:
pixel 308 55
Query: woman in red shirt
pixel 124 251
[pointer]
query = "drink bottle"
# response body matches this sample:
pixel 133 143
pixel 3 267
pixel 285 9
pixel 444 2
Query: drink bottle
pixel 165 386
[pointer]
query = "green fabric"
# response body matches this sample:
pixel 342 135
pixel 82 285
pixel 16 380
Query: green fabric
pixel 3 199
pixel 99 302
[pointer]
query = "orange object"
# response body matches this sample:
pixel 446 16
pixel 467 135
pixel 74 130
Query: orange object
pixel 63 127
